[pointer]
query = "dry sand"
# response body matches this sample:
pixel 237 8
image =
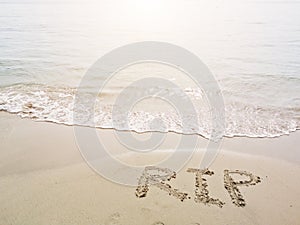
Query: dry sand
pixel 44 180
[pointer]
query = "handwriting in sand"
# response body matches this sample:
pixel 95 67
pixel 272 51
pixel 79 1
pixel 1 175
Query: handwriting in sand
pixel 155 176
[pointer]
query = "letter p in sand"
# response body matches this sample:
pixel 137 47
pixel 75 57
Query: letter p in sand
pixel 232 186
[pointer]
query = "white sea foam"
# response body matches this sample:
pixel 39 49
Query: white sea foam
pixel 56 104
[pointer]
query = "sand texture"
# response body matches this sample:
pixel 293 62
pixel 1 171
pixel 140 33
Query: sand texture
pixel 44 180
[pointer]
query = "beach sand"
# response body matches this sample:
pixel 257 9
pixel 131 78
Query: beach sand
pixel 44 180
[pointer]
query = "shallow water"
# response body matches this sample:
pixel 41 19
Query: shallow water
pixel 252 48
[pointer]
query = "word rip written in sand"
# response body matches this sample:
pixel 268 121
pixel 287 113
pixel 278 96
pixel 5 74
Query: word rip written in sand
pixel 155 176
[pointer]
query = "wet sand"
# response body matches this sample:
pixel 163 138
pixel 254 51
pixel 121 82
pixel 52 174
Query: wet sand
pixel 44 180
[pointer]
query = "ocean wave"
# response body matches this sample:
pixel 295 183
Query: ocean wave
pixel 56 104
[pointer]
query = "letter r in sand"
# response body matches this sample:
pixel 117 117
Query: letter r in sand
pixel 155 176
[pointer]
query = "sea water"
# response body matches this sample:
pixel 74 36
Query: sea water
pixel 252 47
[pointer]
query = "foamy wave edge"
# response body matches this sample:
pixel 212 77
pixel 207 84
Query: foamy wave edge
pixel 56 105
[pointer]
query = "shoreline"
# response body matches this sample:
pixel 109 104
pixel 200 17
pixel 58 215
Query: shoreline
pixel 231 144
pixel 295 130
